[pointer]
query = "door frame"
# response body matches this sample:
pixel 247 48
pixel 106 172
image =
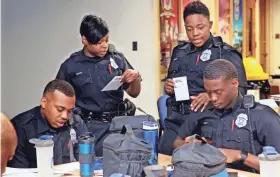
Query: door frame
pixel 264 9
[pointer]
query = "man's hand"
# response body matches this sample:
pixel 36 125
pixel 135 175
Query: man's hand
pixel 201 100
pixel 188 139
pixel 129 76
pixel 169 86
pixel 231 154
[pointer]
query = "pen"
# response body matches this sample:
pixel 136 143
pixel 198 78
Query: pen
pixel 110 68
pixel 232 126
pixel 197 59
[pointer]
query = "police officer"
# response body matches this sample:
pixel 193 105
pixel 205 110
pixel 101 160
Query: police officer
pixel 238 126
pixel 190 59
pixel 51 119
pixel 90 70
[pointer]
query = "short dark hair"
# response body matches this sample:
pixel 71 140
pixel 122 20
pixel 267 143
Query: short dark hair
pixel 60 85
pixel 220 68
pixel 93 28
pixel 196 7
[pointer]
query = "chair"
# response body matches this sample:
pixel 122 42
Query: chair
pixel 162 111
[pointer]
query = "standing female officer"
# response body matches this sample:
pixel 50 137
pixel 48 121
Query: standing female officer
pixel 90 70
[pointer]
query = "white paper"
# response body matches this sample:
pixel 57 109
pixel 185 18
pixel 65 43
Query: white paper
pixel 32 172
pixel 181 88
pixel 269 102
pixel 69 167
pixel 114 84
pixel 20 172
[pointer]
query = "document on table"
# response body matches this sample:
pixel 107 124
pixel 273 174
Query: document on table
pixel 20 172
pixel 181 88
pixel 33 172
pixel 114 84
pixel 70 167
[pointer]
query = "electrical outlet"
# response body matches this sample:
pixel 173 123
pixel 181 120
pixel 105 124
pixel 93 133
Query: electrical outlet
pixel 134 46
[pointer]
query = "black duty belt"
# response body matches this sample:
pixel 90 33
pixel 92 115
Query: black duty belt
pixel 100 116
pixel 181 107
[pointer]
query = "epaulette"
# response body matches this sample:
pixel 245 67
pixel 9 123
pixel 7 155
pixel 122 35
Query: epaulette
pixel 23 118
pixel 218 42
pixel 232 49
pixel 183 46
pixel 74 54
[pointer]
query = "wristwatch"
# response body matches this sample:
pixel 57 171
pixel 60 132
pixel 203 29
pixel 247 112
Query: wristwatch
pixel 244 156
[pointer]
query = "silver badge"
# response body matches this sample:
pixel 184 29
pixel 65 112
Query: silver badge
pixel 113 63
pixel 73 135
pixel 205 55
pixel 241 120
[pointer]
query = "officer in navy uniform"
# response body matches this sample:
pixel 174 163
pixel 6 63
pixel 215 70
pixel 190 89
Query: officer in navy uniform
pixel 240 134
pixel 53 119
pixel 190 59
pixel 90 70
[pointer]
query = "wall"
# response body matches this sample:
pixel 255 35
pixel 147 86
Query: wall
pixel 0 59
pixel 37 36
pixel 274 43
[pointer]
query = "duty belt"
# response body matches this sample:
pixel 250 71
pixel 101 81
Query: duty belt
pixel 181 107
pixel 100 116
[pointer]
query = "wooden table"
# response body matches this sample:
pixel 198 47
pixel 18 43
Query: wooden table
pixel 166 160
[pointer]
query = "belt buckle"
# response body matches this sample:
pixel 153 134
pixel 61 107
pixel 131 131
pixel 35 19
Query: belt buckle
pixel 103 118
pixel 89 117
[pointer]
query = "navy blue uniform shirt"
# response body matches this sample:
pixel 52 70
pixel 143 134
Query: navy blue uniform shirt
pixel 230 128
pixel 190 62
pixel 89 75
pixel 31 124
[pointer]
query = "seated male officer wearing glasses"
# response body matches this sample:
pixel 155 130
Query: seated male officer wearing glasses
pixel 228 126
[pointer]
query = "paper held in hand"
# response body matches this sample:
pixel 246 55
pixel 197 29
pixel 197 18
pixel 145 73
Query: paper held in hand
pixel 114 84
pixel 181 88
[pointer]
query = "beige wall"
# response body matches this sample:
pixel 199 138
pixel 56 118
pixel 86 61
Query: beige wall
pixel 37 36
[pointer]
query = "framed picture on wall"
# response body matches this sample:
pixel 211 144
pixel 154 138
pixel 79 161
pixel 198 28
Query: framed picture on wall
pixel 170 27
pixel 237 25
pixel 168 32
pixel 224 24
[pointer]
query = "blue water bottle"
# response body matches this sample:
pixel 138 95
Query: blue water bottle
pixel 151 137
pixel 86 155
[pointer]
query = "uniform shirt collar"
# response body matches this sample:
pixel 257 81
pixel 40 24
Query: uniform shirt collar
pixel 206 45
pixel 237 103
pixel 43 124
pixel 83 57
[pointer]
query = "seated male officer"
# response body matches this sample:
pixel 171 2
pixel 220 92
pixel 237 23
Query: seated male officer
pixel 228 125
pixel 190 59
pixel 51 118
